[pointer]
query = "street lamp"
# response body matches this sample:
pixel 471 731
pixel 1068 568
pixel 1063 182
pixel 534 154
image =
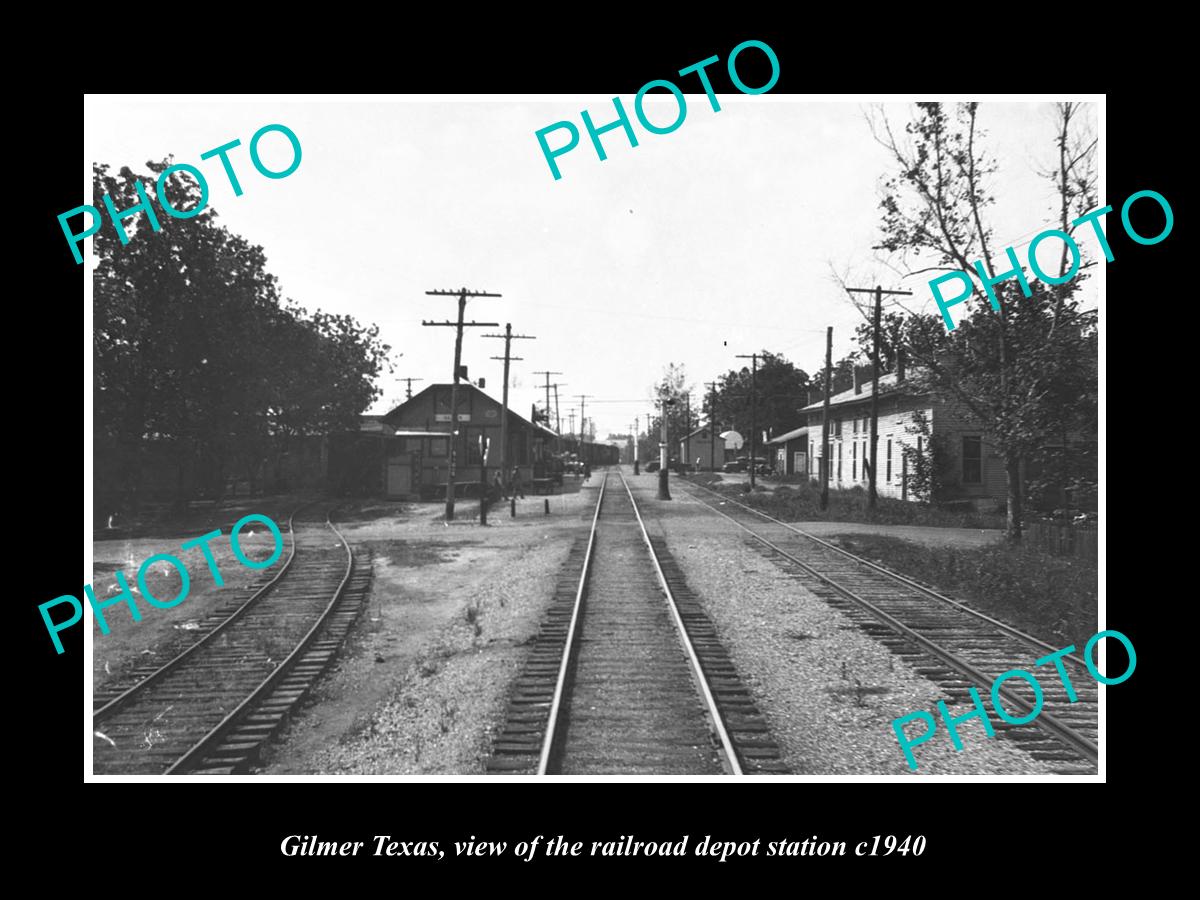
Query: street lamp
pixel 664 491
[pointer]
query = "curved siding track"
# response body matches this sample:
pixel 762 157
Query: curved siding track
pixel 945 640
pixel 627 676
pixel 213 706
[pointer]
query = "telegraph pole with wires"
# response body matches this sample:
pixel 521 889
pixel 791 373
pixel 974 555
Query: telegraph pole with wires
pixel 712 425
pixel 872 496
pixel 557 417
pixel 583 399
pixel 462 294
pixel 826 468
pixel 548 374
pixel 409 381
pixel 508 338
pixel 687 430
pixel 753 357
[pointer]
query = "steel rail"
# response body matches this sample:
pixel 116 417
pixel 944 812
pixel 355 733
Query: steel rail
pixel 896 576
pixel 710 703
pixel 564 666
pixel 202 746
pixel 121 699
pixel 1060 729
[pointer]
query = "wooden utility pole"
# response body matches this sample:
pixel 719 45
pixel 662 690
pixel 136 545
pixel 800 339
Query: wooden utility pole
pixel 508 337
pixel 409 381
pixel 571 419
pixel 583 399
pixel 825 469
pixel 712 425
pixel 878 291
pixel 462 294
pixel 687 432
pixel 557 418
pixel 753 357
pixel 548 374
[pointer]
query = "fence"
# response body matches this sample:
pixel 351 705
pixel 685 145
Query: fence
pixel 1064 539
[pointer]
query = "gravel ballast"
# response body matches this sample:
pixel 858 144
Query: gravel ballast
pixel 829 691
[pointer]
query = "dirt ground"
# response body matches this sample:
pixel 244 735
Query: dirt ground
pixel 163 633
pixel 422 684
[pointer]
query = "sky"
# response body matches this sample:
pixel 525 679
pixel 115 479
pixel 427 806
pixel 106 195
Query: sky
pixel 717 239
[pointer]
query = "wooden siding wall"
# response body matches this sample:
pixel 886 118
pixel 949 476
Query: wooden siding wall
pixel 894 418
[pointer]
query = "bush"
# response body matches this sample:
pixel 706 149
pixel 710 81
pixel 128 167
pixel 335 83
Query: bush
pixel 803 503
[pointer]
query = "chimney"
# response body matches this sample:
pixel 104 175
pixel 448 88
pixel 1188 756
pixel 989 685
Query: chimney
pixel 857 384
pixel 900 365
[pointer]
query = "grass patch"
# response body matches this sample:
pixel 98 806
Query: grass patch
pixel 802 503
pixel 1051 597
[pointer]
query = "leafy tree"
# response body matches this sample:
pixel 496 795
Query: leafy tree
pixel 196 353
pixel 1020 371
pixel 780 391
pixel 927 466
pixel 682 415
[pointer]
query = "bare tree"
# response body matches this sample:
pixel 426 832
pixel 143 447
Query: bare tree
pixel 1012 367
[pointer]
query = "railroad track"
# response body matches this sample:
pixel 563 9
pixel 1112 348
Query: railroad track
pixel 945 640
pixel 211 708
pixel 627 675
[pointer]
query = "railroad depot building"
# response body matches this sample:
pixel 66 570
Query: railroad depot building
pixel 405 454
pixel 418 458
pixel 971 468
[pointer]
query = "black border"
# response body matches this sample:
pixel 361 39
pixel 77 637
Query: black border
pixel 966 832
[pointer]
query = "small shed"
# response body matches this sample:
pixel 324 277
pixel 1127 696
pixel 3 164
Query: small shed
pixel 703 445
pixel 790 452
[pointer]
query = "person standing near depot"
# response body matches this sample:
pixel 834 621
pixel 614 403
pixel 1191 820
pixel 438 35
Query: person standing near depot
pixel 517 486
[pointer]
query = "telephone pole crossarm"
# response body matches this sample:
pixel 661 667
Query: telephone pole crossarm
pixel 461 294
pixel 508 337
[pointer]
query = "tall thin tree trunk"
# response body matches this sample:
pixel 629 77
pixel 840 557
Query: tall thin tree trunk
pixel 1012 469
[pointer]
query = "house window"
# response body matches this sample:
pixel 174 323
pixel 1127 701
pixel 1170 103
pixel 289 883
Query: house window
pixel 889 461
pixel 856 424
pixel 437 447
pixel 412 445
pixel 854 456
pixel 972 459
pixel 839 478
pixel 835 428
